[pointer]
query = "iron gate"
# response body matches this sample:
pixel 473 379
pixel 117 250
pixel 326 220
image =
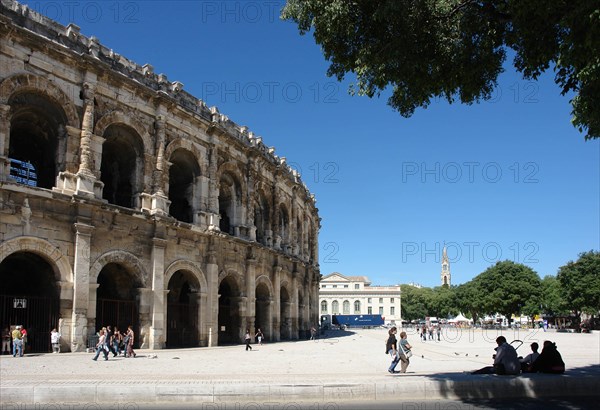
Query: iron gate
pixel 182 325
pixel 120 313
pixel 37 314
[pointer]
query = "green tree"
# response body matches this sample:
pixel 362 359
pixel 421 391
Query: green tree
pixel 580 283
pixel 456 49
pixel 552 301
pixel 443 302
pixel 469 299
pixel 414 302
pixel 507 288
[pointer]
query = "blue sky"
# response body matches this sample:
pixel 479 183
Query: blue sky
pixel 504 179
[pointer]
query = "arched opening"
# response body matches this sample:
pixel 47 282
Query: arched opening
pixel 346 307
pixel 229 203
pixel 262 310
pixel 230 322
pixel 335 307
pixel 183 308
pixel 357 307
pixel 285 311
pixel 284 225
pixel 116 299
pixel 29 297
pixel 262 219
pixel 324 307
pixel 183 175
pixel 122 164
pixel 37 140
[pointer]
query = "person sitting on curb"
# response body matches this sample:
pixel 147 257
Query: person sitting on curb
pixel 530 358
pixel 549 361
pixel 506 361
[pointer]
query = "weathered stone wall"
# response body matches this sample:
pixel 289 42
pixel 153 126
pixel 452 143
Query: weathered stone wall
pixel 133 172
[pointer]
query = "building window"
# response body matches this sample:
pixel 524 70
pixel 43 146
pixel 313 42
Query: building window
pixel 356 286
pixel 345 286
pixel 381 310
pixel 357 307
pixel 380 300
pixel 323 286
pixel 346 307
pixel 368 300
pixel 335 286
pixel 335 307
pixel 324 306
pixel 391 300
pixel 393 310
pixel 369 310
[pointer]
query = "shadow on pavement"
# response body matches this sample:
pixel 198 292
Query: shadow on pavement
pixel 583 381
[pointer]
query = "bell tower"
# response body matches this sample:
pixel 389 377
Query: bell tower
pixel 445 276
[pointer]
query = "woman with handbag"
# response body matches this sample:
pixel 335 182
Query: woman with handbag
pixel 404 348
pixel 390 348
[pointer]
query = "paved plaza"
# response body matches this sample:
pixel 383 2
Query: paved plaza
pixel 338 367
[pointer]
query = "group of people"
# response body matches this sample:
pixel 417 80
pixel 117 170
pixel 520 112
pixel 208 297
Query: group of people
pixel 506 360
pixel 400 351
pixel 115 342
pixel 18 337
pixel 425 330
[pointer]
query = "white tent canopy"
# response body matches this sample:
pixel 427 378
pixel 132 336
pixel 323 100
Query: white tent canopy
pixel 459 318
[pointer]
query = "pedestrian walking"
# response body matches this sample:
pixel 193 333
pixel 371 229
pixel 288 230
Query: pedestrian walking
pixel 391 348
pixel 405 352
pixel 55 340
pixel 101 346
pixel 129 339
pixel 6 340
pixel 424 333
pixel 23 338
pixel 439 331
pixel 116 342
pixel 247 339
pixel 17 341
pixel 313 333
pixel 259 336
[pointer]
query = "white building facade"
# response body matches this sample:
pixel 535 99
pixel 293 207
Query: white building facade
pixel 354 295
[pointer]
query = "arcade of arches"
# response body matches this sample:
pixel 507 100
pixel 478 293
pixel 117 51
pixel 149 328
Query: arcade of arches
pixel 153 211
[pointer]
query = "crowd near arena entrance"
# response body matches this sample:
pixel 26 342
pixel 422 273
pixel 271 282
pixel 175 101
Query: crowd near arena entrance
pixel 28 297
pixel 183 307
pixel 116 303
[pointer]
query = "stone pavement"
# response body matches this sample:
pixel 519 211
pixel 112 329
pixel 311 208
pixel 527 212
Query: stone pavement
pixel 340 366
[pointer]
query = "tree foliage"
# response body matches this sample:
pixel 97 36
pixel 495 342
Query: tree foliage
pixel 580 283
pixel 553 302
pixel 507 288
pixel 455 49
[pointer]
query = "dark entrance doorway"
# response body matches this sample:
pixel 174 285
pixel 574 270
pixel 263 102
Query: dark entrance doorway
pixel 262 306
pixel 229 314
pixel 285 314
pixel 182 310
pixel 116 303
pixel 28 297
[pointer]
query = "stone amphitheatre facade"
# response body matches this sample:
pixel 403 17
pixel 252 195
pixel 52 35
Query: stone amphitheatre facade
pixel 127 201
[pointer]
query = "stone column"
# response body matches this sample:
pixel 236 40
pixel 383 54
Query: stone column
pixel 81 287
pixel 91 310
pixel 213 191
pixel 269 329
pixel 276 217
pixel 203 317
pixel 251 293
pixel 4 142
pixel 145 298
pixel 276 306
pixel 65 321
pixel 294 308
pixel 157 336
pixel 160 202
pixel 211 314
pixel 86 180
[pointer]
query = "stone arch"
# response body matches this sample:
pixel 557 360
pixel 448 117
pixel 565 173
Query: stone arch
pixel 190 267
pixel 45 249
pixel 119 117
pixel 264 279
pixel 180 143
pixel 231 291
pixel 233 169
pixel 125 258
pixel 185 185
pixel 20 83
